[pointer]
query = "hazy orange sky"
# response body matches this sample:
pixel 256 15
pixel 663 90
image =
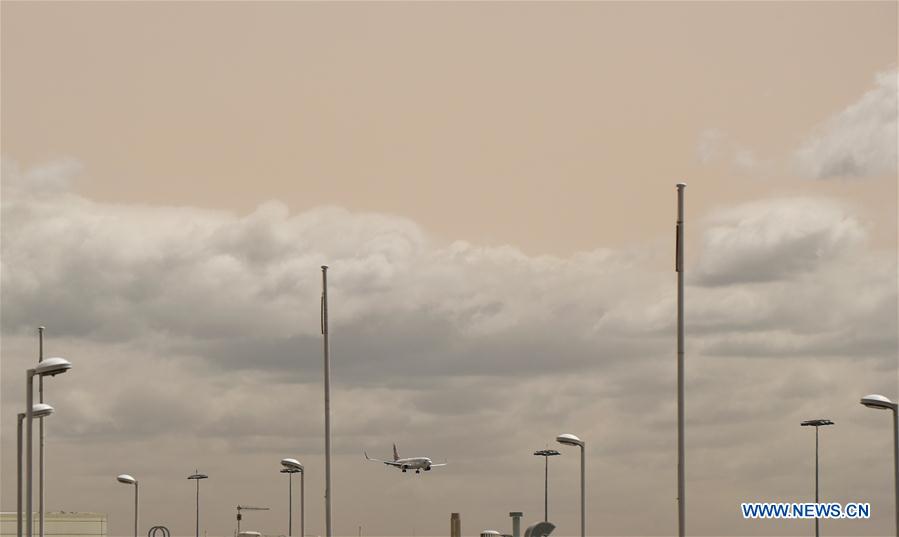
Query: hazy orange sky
pixel 542 125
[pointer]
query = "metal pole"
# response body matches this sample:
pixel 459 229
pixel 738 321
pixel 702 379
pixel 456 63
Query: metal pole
pixel 583 495
pixel 289 504
pixel 327 365
pixel 29 418
pixel 135 508
pixel 20 417
pixel 816 478
pixel 546 490
pixel 40 389
pixel 302 503
pixel 198 506
pixel 896 465
pixel 681 496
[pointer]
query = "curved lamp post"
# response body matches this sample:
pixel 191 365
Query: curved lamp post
pixel 883 403
pixel 290 467
pixel 49 367
pixel 128 480
pixel 572 440
pixel 546 454
pixel 816 424
pixel 197 476
pixel 39 410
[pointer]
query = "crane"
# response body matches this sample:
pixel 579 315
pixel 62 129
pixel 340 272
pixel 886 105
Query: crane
pixel 246 508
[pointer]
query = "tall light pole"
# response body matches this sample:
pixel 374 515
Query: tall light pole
pixel 39 410
pixel 816 424
pixel 128 480
pixel 40 444
pixel 327 366
pixel 197 476
pixel 883 403
pixel 546 454
pixel 290 467
pixel 679 267
pixel 51 367
pixel 571 440
pixel 20 419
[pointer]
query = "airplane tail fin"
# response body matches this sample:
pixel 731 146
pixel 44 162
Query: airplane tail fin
pixel 396 455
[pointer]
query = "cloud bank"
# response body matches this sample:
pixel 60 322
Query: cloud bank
pixel 195 335
pixel 860 141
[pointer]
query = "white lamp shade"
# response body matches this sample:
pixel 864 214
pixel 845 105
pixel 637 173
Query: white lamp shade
pixel 41 410
pixel 569 439
pixel 877 401
pixel 52 366
pixel 127 479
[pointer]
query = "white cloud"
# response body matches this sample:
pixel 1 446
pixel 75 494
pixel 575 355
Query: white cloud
pixel 860 141
pixel 715 146
pixel 773 240
pixel 709 145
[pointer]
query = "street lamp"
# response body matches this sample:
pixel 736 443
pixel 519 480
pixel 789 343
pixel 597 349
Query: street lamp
pixel 546 454
pixel 128 480
pixel 883 403
pixel 197 476
pixel 49 367
pixel 571 440
pixel 290 467
pixel 39 410
pixel 816 424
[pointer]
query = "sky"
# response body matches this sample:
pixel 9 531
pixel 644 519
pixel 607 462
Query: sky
pixel 493 187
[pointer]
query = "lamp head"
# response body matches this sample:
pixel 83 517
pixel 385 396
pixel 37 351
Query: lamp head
pixel 198 475
pixel 52 366
pixel 292 464
pixel 126 479
pixel 569 440
pixel 41 410
pixel 816 423
pixel 547 452
pixel 878 401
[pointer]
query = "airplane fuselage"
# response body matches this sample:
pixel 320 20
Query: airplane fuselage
pixel 414 463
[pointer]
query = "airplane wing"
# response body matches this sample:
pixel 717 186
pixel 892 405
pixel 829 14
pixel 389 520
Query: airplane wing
pixel 388 463
pixel 441 464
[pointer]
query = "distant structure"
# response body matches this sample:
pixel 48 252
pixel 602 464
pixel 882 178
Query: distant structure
pixel 455 525
pixel 516 523
pixel 490 533
pixel 61 524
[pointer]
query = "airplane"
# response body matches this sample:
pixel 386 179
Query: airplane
pixel 412 463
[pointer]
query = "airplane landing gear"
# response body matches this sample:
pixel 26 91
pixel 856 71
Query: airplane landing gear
pixel 417 471
pixel 404 469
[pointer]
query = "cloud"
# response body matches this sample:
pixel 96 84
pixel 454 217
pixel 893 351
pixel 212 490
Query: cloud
pixel 195 337
pixel 709 145
pixel 715 146
pixel 860 141
pixel 772 240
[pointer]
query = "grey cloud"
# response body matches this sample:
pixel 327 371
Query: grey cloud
pixel 860 141
pixel 196 338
